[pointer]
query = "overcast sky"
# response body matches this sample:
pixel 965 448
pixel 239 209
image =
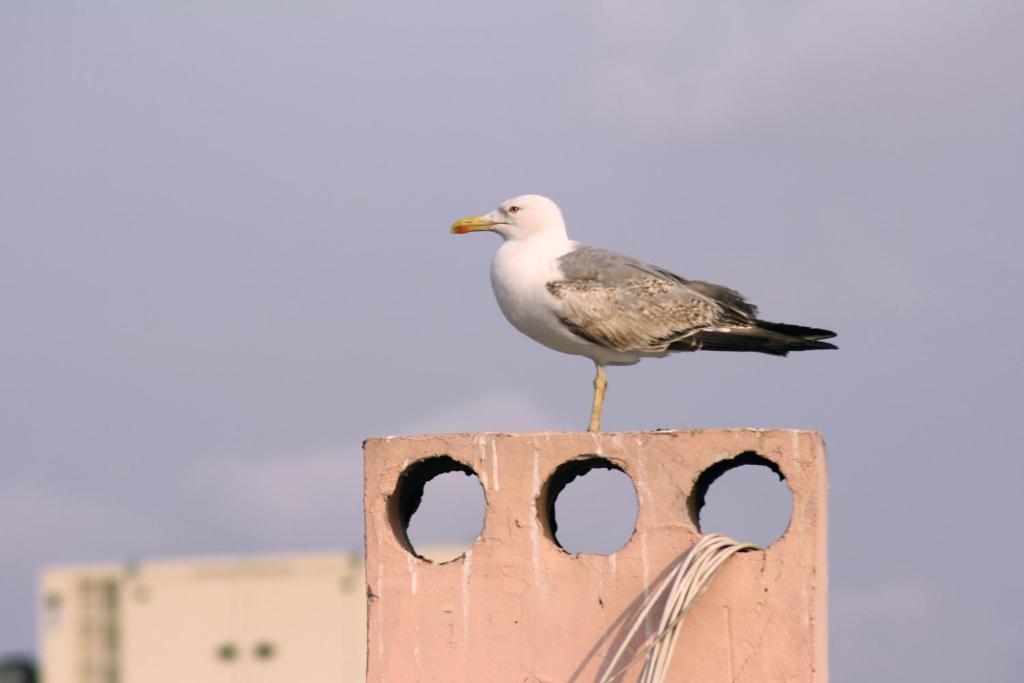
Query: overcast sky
pixel 224 261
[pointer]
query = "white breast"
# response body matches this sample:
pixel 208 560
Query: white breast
pixel 519 274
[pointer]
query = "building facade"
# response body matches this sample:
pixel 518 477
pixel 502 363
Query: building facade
pixel 232 620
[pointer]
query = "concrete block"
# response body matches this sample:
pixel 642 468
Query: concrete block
pixel 518 608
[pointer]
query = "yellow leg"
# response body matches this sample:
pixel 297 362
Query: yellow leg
pixel 600 384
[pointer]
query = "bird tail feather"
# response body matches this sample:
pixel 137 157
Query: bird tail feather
pixel 776 339
pixel 799 331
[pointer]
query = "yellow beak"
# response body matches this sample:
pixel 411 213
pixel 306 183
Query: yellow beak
pixel 471 224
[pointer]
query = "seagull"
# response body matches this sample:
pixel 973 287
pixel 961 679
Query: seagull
pixel 613 309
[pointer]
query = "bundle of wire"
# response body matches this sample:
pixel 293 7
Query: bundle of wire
pixel 676 592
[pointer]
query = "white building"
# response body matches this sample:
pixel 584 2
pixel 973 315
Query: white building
pixel 275 619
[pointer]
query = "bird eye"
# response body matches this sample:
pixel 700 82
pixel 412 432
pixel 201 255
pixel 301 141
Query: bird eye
pixel 513 209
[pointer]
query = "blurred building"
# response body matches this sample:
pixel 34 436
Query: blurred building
pixel 266 619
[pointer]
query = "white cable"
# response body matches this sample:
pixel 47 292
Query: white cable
pixel 684 584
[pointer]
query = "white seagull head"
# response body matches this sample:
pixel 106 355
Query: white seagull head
pixel 518 218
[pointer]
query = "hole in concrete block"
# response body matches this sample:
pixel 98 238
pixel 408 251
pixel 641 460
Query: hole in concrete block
pixel 438 508
pixel 745 498
pixel 588 505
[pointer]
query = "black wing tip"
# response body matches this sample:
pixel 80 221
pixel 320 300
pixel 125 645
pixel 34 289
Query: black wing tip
pixel 785 348
pixel 797 331
pixel 813 345
pixel 758 338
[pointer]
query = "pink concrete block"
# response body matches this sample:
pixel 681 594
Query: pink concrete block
pixel 518 608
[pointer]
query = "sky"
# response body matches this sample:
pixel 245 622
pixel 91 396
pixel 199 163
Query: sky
pixel 224 262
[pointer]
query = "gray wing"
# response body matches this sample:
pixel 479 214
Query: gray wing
pixel 627 305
